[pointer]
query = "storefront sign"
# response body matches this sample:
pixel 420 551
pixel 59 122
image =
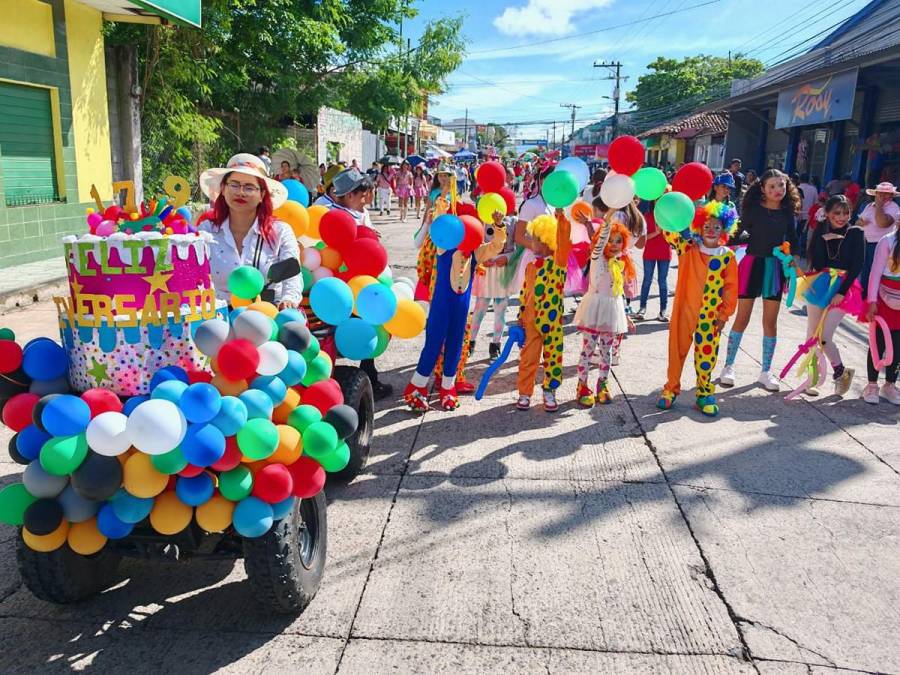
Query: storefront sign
pixel 539 143
pixel 819 101
pixel 596 151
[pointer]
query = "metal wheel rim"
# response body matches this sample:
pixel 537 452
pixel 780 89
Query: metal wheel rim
pixel 307 532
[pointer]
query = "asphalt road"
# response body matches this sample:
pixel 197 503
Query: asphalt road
pixel 620 539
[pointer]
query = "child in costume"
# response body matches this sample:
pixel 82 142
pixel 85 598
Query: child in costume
pixel 491 287
pixel 884 301
pixel 601 317
pixel 705 297
pixel 445 329
pixel 541 308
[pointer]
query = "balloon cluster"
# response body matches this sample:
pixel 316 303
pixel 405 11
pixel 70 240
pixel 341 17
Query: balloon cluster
pixel 562 187
pixel 495 195
pixel 294 211
pixel 157 214
pixel 228 449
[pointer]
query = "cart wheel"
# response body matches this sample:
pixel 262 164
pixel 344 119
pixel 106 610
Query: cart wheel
pixel 357 391
pixel 63 576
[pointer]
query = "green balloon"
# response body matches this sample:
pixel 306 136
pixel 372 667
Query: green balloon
pixel 320 245
pixel 302 416
pixel 258 439
pixel 560 189
pixel 311 352
pixel 386 278
pixel 61 455
pixel 319 439
pixel 236 484
pixel 335 460
pixel 246 282
pixel 7 334
pixel 674 212
pixel 170 462
pixel 649 183
pixel 317 370
pixel 273 336
pixel 384 339
pixel 14 499
pixel 307 280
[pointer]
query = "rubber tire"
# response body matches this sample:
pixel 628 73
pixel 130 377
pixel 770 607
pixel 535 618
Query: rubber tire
pixel 63 576
pixel 273 562
pixel 357 389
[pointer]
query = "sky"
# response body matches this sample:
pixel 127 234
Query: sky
pixel 526 58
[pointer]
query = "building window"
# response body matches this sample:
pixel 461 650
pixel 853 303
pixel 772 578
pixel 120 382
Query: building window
pixel 27 145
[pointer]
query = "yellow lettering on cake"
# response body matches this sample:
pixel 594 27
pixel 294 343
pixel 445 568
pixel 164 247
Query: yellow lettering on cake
pixel 82 307
pixel 169 304
pixel 64 309
pixel 208 303
pixel 83 248
pixel 104 260
pixel 150 312
pixel 102 309
pixel 136 246
pixel 123 311
pixel 192 299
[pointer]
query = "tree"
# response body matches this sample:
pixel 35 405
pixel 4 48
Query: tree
pixel 495 135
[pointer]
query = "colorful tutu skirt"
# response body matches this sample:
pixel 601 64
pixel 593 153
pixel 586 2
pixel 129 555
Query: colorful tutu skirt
pixel 818 289
pixel 760 277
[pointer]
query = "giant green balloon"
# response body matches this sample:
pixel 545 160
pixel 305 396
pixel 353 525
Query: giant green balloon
pixel 560 189
pixel 14 499
pixel 649 183
pixel 246 282
pixel 674 212
pixel 61 455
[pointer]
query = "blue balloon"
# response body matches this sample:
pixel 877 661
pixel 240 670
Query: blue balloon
pixel 65 415
pixel 356 339
pixel 232 416
pixel 132 403
pixel 289 314
pixel 44 360
pixel 194 491
pixel 203 444
pixel 447 231
pixel 376 304
pixel 332 300
pixel 297 191
pixel 30 441
pixel 252 517
pixel 168 373
pixel 576 167
pixel 131 509
pixel 200 402
pixel 272 386
pixel 283 508
pixel 185 213
pixel 235 313
pixel 294 370
pixel 259 404
pixel 110 525
pixel 169 390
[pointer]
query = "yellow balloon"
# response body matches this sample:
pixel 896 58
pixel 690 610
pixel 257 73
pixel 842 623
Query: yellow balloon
pixel 170 515
pixel 356 284
pixel 315 214
pixel 141 478
pixel 291 401
pixel 290 446
pixel 228 387
pixel 266 308
pixel 488 204
pixel 215 514
pixel 295 215
pixel 409 320
pixel 84 538
pixel 44 543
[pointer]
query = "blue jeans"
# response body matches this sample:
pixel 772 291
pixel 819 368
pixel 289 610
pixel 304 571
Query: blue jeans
pixel 867 265
pixel 662 271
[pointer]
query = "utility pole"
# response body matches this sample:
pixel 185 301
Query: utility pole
pixel 573 107
pixel 466 131
pixel 617 66
pixel 552 139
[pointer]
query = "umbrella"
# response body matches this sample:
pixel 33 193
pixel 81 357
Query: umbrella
pixel 432 152
pixel 465 154
pixel 527 156
pixel 415 160
pixel 390 159
pixel 309 172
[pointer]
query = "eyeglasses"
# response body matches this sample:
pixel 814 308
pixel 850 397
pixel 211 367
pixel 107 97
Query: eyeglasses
pixel 243 188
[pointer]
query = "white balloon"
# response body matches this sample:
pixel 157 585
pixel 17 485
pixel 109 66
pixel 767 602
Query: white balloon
pixel 156 426
pixel 273 358
pixel 322 273
pixel 405 280
pixel 617 191
pixel 107 434
pixel 402 291
pixel 211 335
pixel 311 258
pixel 577 167
pixel 253 326
pixel 387 271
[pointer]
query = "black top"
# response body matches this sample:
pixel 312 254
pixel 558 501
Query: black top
pixel 765 229
pixel 839 254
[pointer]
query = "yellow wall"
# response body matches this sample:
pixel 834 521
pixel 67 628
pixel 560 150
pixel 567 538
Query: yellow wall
pixel 28 25
pixel 90 114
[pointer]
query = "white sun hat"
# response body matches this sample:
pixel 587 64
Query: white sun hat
pixel 249 165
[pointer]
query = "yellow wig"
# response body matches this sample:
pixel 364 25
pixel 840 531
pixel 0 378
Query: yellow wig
pixel 543 228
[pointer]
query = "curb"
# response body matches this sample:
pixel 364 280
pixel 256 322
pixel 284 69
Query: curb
pixel 29 295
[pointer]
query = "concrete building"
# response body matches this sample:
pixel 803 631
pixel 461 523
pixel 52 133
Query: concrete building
pixel 696 138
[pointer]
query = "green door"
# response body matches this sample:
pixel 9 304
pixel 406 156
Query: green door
pixel 27 150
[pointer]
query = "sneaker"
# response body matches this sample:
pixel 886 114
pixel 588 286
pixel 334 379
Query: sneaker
pixel 550 404
pixel 890 392
pixel 666 400
pixel 524 403
pixel 603 396
pixel 416 398
pixel 870 393
pixel 493 351
pixel 663 317
pixel 811 391
pixel 707 405
pixel 769 381
pixel 464 388
pixel 842 384
pixel 726 378
pixel 585 396
pixel 449 399
pixel 640 314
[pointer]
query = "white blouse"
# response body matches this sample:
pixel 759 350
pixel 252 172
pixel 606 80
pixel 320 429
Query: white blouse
pixel 224 257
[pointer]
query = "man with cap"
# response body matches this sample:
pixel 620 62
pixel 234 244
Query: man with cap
pixel 326 199
pixel 879 218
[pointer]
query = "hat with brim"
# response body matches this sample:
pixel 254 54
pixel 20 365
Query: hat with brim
pixel 328 177
pixel 884 188
pixel 349 180
pixel 443 167
pixel 248 165
pixel 725 179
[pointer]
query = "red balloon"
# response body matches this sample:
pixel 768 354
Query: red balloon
pixel 693 179
pixel 231 458
pixel 273 483
pixel 510 198
pixel 10 356
pixel 17 411
pixel 338 230
pixel 626 155
pixel 366 256
pixel 473 234
pixel 238 360
pixel 366 233
pixel 101 401
pixel 323 395
pixel 466 209
pixel 308 476
pixel 191 471
pixel 491 177
pixel 195 376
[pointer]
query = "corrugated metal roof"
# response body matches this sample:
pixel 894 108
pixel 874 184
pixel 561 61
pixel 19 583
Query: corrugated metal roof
pixel 700 123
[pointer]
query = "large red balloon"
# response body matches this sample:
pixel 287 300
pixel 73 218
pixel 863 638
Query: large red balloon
pixel 195 376
pixel 338 230
pixel 309 477
pixel 626 155
pixel 231 458
pixel 491 177
pixel 323 395
pixel 238 360
pixel 366 256
pixel 693 179
pixel 10 356
pixel 17 411
pixel 366 233
pixel 273 483
pixel 473 234
pixel 510 198
pixel 101 401
pixel 466 209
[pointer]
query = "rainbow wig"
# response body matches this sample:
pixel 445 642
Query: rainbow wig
pixel 724 212
pixel 543 228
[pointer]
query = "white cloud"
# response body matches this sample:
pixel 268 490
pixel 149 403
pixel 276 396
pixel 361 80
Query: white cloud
pixel 544 17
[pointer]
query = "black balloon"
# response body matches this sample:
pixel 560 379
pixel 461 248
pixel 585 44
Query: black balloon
pixel 39 410
pixel 295 335
pixel 13 383
pixel 43 516
pixel 98 478
pixel 14 451
pixel 344 420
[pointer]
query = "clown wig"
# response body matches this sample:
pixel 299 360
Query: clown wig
pixel 618 228
pixel 543 228
pixel 721 211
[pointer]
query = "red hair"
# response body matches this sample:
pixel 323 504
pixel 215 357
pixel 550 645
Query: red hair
pixel 264 217
pixel 619 228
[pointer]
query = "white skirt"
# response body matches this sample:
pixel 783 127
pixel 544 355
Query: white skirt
pixel 490 284
pixel 601 313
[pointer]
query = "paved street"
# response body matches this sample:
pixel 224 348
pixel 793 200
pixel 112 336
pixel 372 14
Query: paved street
pixel 488 540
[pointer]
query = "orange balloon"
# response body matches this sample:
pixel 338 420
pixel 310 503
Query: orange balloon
pixel 228 387
pixel 44 543
pixel 215 515
pixel 408 321
pixel 582 209
pixel 290 446
pixel 295 215
pixel 85 538
pixel 331 258
pixel 141 478
pixel 266 308
pixel 240 302
pixel 170 515
pixel 315 214
pixel 291 401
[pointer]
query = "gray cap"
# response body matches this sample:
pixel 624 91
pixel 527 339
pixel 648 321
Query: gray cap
pixel 348 180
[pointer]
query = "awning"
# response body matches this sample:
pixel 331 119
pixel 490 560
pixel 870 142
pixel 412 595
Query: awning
pixel 687 133
pixel 177 11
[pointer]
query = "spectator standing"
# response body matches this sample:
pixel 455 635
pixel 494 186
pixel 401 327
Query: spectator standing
pixel 735 170
pixel 266 157
pixel 808 197
pixel 878 219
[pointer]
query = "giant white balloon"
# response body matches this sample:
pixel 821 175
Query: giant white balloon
pixel 273 358
pixel 617 191
pixel 156 426
pixel 401 290
pixel 107 434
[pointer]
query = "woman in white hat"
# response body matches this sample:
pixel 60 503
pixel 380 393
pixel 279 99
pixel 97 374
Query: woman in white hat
pixel 878 219
pixel 243 228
